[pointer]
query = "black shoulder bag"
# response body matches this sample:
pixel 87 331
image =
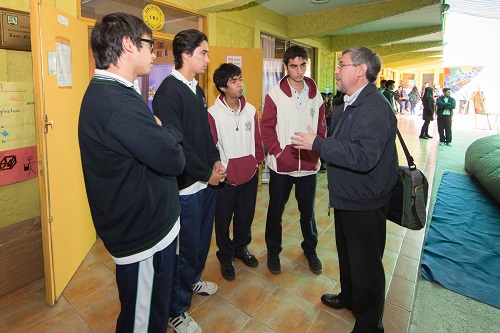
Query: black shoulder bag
pixel 409 197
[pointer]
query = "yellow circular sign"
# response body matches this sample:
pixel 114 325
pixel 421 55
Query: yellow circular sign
pixel 153 17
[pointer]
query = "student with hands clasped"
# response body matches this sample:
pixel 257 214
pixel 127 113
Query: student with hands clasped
pixel 235 128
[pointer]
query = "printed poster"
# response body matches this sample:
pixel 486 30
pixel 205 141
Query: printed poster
pixel 18 157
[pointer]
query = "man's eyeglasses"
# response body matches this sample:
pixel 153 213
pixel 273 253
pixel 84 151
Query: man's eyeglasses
pixel 340 66
pixel 150 42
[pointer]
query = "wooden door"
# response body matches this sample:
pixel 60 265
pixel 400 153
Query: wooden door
pixel 60 74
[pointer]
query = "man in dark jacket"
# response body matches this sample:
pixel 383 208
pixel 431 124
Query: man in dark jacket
pixel 362 171
pixel 445 106
pixel 129 165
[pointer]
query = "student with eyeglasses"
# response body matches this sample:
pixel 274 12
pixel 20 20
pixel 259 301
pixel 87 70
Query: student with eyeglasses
pixel 130 163
pixel 362 171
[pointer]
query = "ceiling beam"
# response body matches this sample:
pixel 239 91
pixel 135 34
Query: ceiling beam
pixel 405 47
pixel 342 42
pixel 337 19
pixel 213 6
pixel 410 56
pixel 415 63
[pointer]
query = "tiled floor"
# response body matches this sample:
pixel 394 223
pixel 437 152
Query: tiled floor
pixel 257 301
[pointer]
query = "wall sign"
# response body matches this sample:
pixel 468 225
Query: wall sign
pixel 15 30
pixel 153 17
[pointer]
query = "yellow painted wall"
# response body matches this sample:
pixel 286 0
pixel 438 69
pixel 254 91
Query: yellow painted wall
pixel 18 202
pixel 242 27
pixel 232 28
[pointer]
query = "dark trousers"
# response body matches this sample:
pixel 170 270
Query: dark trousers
pixel 360 238
pixel 425 127
pixel 236 203
pixel 279 192
pixel 444 129
pixel 145 289
pixel 197 220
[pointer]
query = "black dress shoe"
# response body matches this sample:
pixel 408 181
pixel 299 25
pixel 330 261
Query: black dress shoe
pixel 227 271
pixel 248 259
pixel 423 137
pixel 273 263
pixel 314 264
pixel 334 301
pixel 428 136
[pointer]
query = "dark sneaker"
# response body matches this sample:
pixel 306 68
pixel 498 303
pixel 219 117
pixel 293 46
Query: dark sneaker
pixel 248 259
pixel 273 263
pixel 227 271
pixel 314 264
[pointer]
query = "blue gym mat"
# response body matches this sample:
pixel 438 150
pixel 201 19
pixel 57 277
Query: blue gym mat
pixel 462 248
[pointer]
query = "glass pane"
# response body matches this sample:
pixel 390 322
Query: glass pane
pixel 175 19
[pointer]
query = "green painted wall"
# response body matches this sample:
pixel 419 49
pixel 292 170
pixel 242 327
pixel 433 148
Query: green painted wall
pixel 18 202
pixel 242 27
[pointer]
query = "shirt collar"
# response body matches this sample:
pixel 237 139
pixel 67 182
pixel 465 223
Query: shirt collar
pixel 107 75
pixel 348 100
pixel 180 77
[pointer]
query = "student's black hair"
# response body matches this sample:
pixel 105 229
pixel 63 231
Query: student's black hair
pixel 293 52
pixel 106 37
pixel 223 74
pixel 186 41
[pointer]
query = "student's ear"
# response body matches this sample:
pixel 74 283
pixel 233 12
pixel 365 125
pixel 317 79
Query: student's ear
pixel 127 44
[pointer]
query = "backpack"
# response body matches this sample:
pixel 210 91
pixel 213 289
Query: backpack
pixel 413 97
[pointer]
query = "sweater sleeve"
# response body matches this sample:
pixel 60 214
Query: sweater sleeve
pixel 139 133
pixel 259 146
pixel 321 122
pixel 268 127
pixel 167 105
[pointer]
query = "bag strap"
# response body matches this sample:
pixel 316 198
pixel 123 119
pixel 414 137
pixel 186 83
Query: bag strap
pixel 409 158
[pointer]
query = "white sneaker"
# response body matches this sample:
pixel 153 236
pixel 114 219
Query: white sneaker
pixel 184 324
pixel 205 288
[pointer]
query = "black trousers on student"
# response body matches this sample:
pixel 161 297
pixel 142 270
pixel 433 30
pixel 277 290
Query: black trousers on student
pixel 444 129
pixel 236 203
pixel 279 192
pixel 360 238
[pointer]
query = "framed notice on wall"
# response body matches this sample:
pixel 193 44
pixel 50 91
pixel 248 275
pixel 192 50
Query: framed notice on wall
pixel 14 30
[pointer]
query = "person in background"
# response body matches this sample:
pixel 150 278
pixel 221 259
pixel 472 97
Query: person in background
pixel 362 171
pixel 292 105
pixel 428 113
pixel 389 93
pixel 382 86
pixel 414 98
pixel 338 99
pixel 179 101
pixel 129 166
pixel 445 106
pixel 235 128
pixel 401 97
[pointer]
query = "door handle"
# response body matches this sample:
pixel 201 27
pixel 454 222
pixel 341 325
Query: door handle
pixel 47 124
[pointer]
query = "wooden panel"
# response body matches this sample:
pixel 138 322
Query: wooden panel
pixel 21 258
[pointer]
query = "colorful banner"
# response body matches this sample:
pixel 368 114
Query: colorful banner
pixel 18 158
pixel 18 165
pixel 456 78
